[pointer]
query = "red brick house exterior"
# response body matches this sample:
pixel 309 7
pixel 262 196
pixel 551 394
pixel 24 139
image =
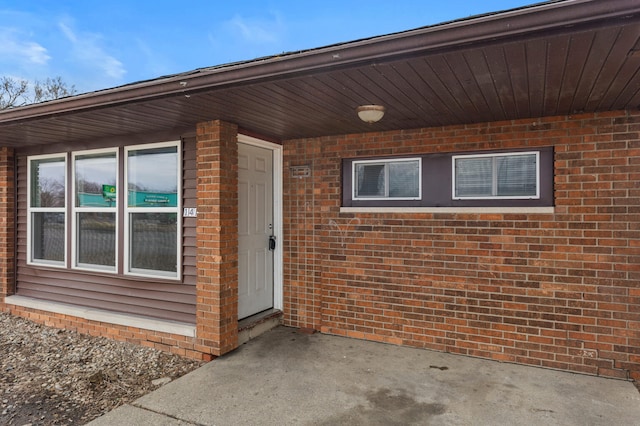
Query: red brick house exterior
pixel 555 289
pixel 555 286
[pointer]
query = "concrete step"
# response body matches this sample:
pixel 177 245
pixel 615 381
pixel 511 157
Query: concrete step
pixel 255 325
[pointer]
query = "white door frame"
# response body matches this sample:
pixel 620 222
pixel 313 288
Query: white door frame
pixel 278 256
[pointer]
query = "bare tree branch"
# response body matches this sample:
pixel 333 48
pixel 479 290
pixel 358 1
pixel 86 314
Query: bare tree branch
pixel 12 92
pixel 51 88
pixel 17 92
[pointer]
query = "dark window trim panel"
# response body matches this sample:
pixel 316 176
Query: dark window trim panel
pixel 437 182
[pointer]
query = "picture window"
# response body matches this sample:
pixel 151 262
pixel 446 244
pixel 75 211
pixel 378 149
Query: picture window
pixel 143 220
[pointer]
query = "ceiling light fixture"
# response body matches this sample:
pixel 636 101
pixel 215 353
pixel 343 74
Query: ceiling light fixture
pixel 370 113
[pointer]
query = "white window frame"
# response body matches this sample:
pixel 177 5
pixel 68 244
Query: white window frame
pixel 31 210
pixel 385 162
pixel 494 176
pixel 147 273
pixel 75 209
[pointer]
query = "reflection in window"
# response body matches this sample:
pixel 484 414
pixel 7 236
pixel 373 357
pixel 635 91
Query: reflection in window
pixel 96 239
pixel 47 237
pixel 95 179
pixel 387 179
pixel 370 180
pixel 48 182
pixel 95 209
pixel 153 177
pixel 153 241
pixel 47 220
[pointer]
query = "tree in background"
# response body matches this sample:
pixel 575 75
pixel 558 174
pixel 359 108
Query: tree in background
pixel 17 92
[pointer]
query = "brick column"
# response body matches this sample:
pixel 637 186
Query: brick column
pixel 7 223
pixel 217 237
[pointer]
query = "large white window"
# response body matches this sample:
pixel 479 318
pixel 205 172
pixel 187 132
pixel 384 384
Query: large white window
pixel 496 176
pixel 389 179
pixel 46 222
pixel 135 230
pixel 152 179
pixel 95 209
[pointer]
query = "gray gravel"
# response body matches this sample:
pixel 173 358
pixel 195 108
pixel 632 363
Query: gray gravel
pixel 55 377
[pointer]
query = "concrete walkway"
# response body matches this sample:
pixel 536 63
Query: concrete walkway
pixel 287 378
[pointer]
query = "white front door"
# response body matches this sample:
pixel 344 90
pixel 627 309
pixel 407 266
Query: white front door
pixel 255 230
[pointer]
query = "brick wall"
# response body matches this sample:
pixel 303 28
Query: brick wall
pixel 558 290
pixel 217 237
pixel 168 342
pixel 216 257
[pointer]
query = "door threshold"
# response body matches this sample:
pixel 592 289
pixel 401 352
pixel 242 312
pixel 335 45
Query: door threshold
pixel 255 325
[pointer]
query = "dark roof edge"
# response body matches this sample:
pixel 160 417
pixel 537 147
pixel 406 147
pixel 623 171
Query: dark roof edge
pixel 511 23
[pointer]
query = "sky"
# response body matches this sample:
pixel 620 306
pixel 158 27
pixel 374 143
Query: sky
pixel 95 45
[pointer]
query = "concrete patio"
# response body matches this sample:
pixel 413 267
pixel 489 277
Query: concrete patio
pixel 285 377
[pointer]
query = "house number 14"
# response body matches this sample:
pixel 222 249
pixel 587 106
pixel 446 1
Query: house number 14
pixel 189 212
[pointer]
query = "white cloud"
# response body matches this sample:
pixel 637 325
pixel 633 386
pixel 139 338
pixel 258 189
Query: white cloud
pixel 68 32
pixel 154 63
pixel 240 37
pixel 87 50
pixel 15 48
pixel 255 31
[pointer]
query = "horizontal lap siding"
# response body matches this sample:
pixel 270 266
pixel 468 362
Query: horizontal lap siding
pixel 139 296
pixel 559 290
pixel 189 199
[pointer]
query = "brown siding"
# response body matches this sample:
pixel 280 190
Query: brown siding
pixel 189 199
pixel 164 299
pixel 7 218
pixel 558 290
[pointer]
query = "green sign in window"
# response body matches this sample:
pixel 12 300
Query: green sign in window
pixel 109 192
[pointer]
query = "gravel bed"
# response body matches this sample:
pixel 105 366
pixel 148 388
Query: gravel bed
pixel 56 377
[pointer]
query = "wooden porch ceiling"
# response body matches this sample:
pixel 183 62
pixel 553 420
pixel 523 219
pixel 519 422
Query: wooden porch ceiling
pixel 555 58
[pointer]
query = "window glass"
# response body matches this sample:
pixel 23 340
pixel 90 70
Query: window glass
pixel 47 236
pixel 153 177
pixel 47 220
pixel 516 175
pixel 496 176
pixel 370 180
pixel 48 182
pixel 474 177
pixel 148 230
pixel 404 179
pixel 96 238
pixel 95 176
pixel 153 240
pixel 396 179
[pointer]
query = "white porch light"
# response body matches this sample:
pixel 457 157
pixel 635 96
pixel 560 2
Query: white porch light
pixel 370 113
